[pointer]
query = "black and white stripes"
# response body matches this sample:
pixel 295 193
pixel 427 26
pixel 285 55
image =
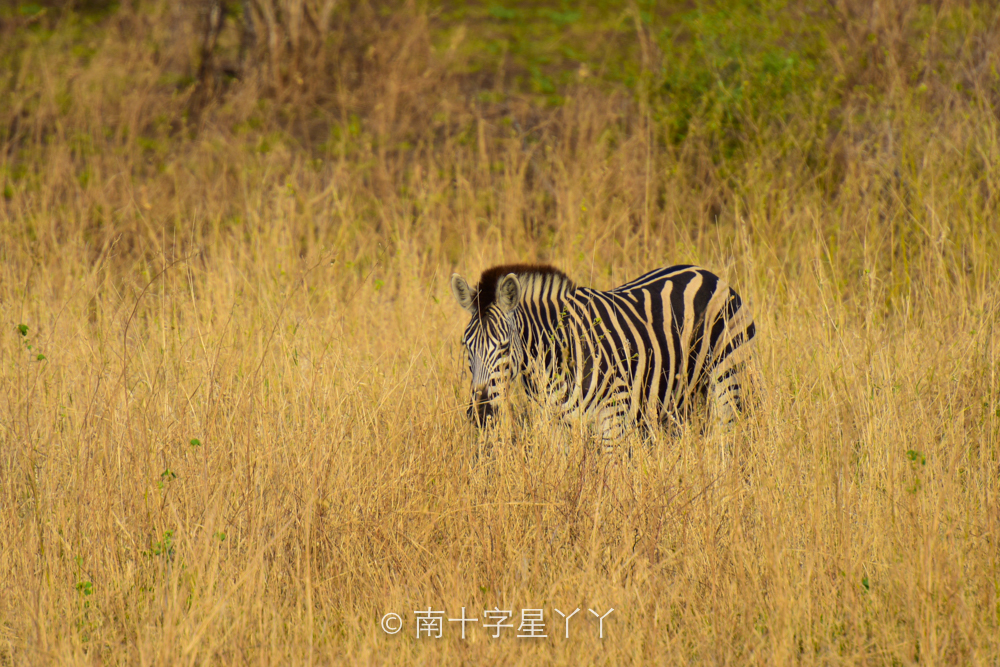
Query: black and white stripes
pixel 642 353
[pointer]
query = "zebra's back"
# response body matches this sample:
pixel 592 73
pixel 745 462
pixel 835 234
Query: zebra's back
pixel 653 346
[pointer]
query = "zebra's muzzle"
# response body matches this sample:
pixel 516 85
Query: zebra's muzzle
pixel 481 409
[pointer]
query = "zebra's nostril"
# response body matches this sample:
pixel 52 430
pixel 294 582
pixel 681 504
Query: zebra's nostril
pixel 480 409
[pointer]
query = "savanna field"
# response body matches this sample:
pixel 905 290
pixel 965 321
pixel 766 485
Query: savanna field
pixel 232 383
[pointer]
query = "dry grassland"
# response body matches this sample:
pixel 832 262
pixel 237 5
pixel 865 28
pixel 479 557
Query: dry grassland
pixel 232 424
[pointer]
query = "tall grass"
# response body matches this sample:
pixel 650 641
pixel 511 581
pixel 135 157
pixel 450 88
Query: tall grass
pixel 231 384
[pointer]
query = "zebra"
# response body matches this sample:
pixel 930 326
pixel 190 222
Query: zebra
pixel 641 354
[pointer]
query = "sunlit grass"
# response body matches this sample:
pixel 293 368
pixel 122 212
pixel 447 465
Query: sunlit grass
pixel 232 390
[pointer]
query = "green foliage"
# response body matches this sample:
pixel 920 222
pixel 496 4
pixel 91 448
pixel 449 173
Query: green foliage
pixel 917 460
pixel 542 48
pixel 722 71
pixel 31 9
pixel 729 68
pixel 166 477
pixel 164 547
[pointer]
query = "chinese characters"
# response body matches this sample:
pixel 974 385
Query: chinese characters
pixel 496 622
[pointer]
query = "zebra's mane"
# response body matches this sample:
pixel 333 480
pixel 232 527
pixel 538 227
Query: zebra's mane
pixel 486 290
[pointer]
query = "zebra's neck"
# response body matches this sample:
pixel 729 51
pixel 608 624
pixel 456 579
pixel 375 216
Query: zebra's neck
pixel 538 289
pixel 545 338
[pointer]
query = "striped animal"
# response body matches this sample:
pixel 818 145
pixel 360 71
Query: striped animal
pixel 641 354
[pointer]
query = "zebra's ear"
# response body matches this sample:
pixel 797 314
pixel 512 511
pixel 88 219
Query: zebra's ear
pixel 462 292
pixel 508 292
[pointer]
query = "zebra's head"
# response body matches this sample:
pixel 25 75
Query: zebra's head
pixel 492 338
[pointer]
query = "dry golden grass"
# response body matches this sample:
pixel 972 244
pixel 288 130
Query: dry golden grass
pixel 233 429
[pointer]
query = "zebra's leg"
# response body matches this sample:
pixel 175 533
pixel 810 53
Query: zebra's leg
pixel 610 426
pixel 671 421
pixel 608 429
pixel 728 386
pixel 729 381
pixel 729 392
